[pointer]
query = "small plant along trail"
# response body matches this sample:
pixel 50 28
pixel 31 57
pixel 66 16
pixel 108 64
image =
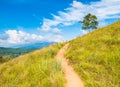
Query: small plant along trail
pixel 72 79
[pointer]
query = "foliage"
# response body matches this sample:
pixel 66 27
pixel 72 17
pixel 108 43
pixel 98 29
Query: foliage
pixel 89 22
pixel 35 69
pixel 4 59
pixel 96 57
pixel 12 52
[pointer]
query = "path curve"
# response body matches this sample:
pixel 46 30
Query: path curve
pixel 73 80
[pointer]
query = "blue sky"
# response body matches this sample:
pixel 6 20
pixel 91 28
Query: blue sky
pixel 30 21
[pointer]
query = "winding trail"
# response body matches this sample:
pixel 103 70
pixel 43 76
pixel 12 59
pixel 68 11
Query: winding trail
pixel 73 80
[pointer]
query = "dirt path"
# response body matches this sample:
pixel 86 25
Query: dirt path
pixel 73 80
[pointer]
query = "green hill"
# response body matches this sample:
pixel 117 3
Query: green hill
pixel 12 52
pixel 96 57
pixel 7 54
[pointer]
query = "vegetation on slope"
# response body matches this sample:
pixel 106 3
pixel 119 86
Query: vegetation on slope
pixel 9 53
pixel 35 69
pixel 96 57
pixel 12 52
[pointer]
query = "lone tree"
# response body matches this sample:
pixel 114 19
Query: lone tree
pixel 89 22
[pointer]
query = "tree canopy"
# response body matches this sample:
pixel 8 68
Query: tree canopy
pixel 89 22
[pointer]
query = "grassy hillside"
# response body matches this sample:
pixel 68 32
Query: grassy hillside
pixel 9 53
pixel 96 57
pixel 35 69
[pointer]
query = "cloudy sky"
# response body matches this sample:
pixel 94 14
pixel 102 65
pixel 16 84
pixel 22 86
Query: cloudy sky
pixel 31 21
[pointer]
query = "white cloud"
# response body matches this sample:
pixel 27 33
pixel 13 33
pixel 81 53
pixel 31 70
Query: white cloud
pixel 107 9
pixel 54 38
pixel 15 37
pixel 104 9
pixel 18 37
pixel 56 31
pixel 47 24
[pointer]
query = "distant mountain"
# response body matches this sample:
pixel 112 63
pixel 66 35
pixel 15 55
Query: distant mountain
pixel 22 49
pixel 34 46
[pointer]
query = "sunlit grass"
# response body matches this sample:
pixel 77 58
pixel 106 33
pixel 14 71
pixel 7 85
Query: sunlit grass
pixel 96 57
pixel 36 69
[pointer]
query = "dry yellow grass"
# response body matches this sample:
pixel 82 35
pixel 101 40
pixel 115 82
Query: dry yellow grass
pixel 35 69
pixel 96 56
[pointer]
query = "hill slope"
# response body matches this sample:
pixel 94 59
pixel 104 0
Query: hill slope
pixel 35 69
pixel 7 54
pixel 96 57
